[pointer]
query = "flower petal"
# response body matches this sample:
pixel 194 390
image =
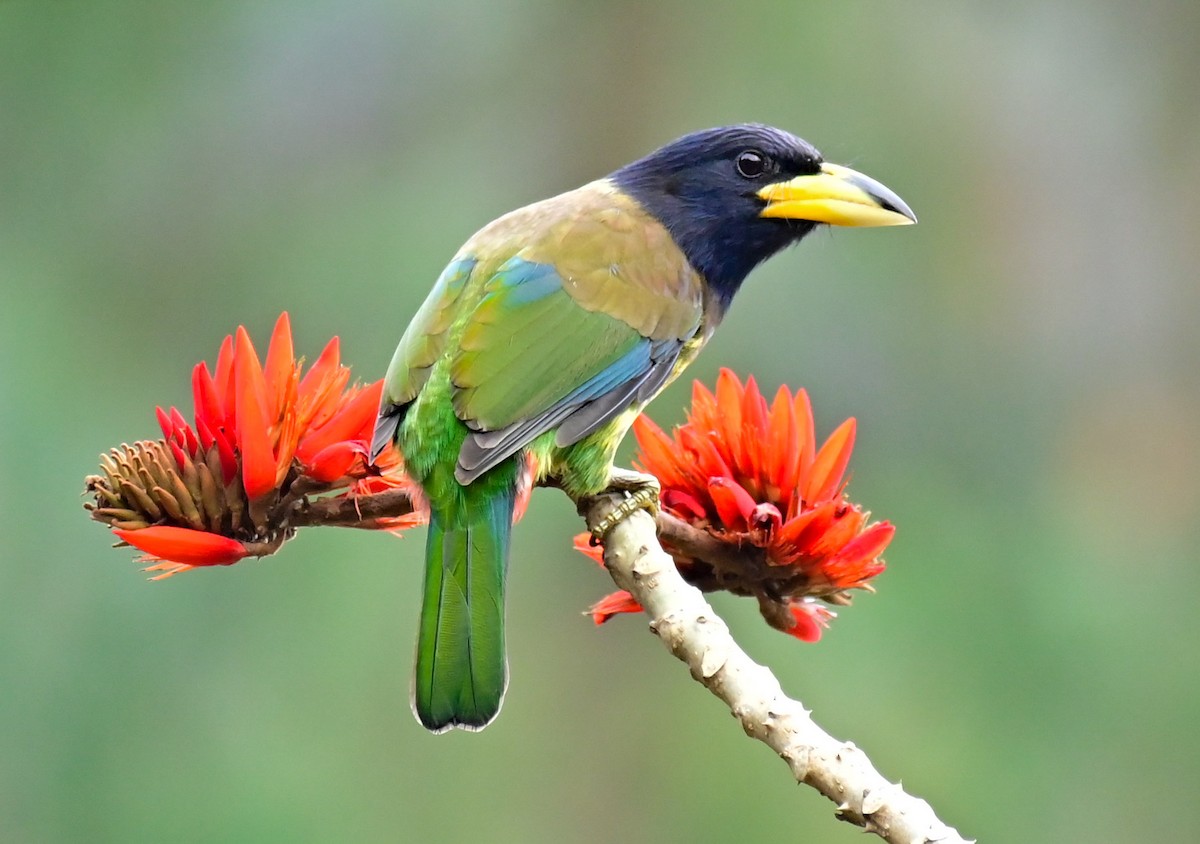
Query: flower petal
pixel 754 438
pixel 280 366
pixel 223 381
pixel 734 505
pixel 869 544
pixel 525 481
pixel 333 461
pixel 593 551
pixel 319 394
pixel 178 453
pixel 830 464
pixel 730 443
pixel 704 458
pixel 703 413
pixel 783 450
pixel 210 413
pixel 183 431
pixel 798 534
pixel 182 545
pixel 811 620
pixel 683 504
pixel 353 421
pixel 253 437
pixel 846 523
pixel 806 430
pixel 658 454
pixel 164 422
pixel 227 456
pixel 610 605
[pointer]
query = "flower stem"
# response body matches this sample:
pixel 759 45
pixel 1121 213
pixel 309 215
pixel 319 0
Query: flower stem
pixel 358 511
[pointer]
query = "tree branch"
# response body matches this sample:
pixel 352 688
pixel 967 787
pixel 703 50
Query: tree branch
pixel 351 511
pixel 697 636
pixel 360 511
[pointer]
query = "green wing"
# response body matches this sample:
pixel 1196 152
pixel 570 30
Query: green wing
pixel 423 343
pixel 584 321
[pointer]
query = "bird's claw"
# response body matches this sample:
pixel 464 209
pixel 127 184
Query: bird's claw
pixel 641 493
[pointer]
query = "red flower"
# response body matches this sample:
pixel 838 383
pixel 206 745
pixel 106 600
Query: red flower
pixel 610 605
pixel 264 439
pixel 809 619
pixel 179 549
pixel 751 474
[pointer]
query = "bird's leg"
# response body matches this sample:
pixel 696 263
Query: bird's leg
pixel 641 493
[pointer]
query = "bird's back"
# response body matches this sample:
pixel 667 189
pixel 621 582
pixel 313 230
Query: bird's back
pixel 534 304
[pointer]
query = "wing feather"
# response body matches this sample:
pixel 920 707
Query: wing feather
pixel 424 341
pixel 578 307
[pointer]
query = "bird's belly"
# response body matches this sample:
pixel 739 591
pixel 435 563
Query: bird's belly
pixel 583 468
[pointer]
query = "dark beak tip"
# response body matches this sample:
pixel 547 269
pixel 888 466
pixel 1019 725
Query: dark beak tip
pixel 884 196
pixel 893 203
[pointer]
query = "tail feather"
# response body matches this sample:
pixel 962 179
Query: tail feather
pixel 461 674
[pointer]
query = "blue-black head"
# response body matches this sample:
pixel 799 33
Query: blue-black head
pixel 732 197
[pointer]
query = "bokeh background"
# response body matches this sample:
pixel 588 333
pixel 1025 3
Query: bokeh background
pixel 1022 364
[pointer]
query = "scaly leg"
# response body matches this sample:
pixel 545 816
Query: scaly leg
pixel 641 493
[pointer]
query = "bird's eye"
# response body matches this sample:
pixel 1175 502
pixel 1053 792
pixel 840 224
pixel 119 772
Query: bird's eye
pixel 751 164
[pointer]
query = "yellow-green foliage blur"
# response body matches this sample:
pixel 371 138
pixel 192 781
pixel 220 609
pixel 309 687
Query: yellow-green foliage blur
pixel 1022 365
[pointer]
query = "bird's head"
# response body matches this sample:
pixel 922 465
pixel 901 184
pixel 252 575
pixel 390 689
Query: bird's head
pixel 731 197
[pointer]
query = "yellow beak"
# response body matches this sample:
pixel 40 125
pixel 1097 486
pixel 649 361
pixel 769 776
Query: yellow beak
pixel 838 196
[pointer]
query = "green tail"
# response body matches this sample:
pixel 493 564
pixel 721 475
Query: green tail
pixel 461 672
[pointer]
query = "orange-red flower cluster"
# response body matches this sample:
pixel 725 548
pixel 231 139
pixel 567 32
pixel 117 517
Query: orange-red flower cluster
pixel 750 473
pixel 264 437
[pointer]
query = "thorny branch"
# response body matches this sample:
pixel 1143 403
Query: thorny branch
pixel 694 633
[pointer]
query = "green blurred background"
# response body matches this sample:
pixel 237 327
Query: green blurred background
pixel 1022 364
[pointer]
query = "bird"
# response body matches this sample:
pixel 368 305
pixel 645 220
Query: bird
pixel 545 336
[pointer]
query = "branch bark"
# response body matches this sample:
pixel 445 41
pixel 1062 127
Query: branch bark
pixel 346 511
pixel 696 635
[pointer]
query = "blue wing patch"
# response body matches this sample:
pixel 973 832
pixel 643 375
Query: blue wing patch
pixel 635 375
pixel 522 282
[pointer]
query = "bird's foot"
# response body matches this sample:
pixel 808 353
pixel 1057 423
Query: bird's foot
pixel 641 493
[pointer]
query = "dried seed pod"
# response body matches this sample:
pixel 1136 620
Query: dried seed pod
pixel 168 502
pixel 211 495
pixel 137 496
